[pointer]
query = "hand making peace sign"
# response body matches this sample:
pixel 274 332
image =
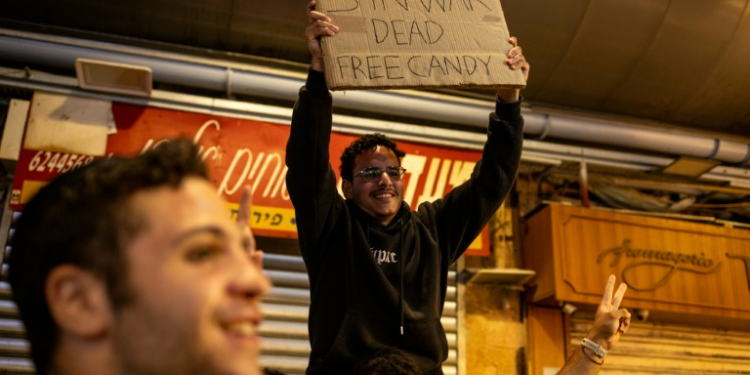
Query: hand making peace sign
pixel 610 321
pixel 243 222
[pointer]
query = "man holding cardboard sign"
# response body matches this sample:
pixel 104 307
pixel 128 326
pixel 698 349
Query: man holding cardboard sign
pixel 378 271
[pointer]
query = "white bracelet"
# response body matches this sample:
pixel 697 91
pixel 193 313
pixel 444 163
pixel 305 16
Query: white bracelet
pixel 596 348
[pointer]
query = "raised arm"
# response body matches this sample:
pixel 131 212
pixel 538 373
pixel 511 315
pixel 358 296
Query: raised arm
pixel 310 179
pixel 318 24
pixel 468 208
pixel 609 323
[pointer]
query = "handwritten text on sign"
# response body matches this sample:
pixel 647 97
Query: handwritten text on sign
pixel 417 43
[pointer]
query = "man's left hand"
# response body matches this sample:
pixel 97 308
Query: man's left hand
pixel 516 60
pixel 610 321
pixel 243 222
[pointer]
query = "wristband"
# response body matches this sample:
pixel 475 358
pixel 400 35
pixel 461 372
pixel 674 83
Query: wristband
pixel 596 348
pixel 583 349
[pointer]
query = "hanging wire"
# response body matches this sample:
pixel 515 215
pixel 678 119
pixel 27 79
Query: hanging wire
pixel 721 205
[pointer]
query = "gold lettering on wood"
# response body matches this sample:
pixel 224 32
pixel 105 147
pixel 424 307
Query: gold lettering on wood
pixel 673 261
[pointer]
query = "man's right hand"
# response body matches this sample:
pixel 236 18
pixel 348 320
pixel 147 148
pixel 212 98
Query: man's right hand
pixel 318 25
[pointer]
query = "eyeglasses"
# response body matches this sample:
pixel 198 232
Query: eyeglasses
pixel 374 173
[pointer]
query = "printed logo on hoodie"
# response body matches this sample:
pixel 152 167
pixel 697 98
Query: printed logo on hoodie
pixel 382 256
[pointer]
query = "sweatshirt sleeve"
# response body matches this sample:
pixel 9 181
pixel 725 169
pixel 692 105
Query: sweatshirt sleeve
pixel 310 179
pixel 462 214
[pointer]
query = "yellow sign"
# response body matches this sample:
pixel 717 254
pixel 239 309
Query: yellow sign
pixel 265 217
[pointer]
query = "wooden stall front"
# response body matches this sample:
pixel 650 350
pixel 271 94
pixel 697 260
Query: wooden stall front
pixel 679 274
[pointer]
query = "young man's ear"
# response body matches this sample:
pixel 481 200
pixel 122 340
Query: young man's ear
pixel 346 187
pixel 78 301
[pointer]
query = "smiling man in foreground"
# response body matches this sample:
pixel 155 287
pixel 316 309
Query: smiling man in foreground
pixel 133 266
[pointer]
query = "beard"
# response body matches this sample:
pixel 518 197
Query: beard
pixel 147 344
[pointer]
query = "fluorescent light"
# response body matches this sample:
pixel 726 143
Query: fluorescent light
pixel 690 167
pixel 114 77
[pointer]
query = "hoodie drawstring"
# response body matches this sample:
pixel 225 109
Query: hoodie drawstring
pixel 401 276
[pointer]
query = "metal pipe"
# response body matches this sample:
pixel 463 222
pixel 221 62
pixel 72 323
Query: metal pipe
pixel 637 137
pixel 184 71
pixel 214 77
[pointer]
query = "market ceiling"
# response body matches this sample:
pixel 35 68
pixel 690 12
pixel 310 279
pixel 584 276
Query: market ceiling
pixel 682 62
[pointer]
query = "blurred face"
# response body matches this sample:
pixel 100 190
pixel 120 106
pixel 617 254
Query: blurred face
pixel 197 293
pixel 380 197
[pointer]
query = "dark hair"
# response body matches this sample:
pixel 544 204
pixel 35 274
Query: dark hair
pixel 270 371
pixel 386 361
pixel 83 218
pixel 365 143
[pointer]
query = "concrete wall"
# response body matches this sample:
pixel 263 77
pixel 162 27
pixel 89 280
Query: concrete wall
pixel 494 328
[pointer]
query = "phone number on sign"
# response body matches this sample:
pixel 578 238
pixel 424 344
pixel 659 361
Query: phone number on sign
pixel 46 161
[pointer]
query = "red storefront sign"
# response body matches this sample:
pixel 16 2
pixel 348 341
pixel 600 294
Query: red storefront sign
pixel 240 152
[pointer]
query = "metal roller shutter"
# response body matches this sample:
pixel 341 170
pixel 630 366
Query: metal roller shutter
pixel 650 348
pixel 284 332
pixel 285 342
pixel 14 349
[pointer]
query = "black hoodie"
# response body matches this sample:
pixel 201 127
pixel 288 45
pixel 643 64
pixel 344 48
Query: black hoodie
pixel 373 285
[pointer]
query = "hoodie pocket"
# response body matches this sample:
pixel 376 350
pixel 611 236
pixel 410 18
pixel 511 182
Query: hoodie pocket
pixel 427 343
pixel 360 333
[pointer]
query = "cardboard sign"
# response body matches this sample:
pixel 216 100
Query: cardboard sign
pixel 417 44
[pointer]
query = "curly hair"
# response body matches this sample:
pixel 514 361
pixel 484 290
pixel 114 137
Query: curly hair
pixel 84 218
pixel 365 143
pixel 389 360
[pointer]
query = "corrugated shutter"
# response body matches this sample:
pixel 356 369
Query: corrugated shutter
pixel 650 348
pixel 14 349
pixel 285 342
